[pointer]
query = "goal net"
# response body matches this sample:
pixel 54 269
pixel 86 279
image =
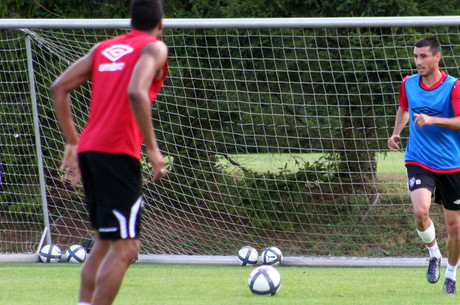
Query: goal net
pixel 274 132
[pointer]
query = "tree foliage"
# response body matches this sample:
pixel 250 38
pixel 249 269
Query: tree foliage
pixel 64 8
pixel 308 8
pixel 230 8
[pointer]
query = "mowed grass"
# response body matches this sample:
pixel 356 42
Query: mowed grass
pixel 30 284
pixel 390 163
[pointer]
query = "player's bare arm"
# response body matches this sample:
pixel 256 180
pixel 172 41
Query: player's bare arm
pixel 149 65
pixel 75 76
pixel 449 123
pixel 402 117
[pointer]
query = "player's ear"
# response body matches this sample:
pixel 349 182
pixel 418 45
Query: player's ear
pixel 159 28
pixel 438 56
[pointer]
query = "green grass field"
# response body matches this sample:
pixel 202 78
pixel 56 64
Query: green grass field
pixel 391 163
pixel 149 284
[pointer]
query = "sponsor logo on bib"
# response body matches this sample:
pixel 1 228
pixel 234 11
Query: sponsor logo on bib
pixel 114 53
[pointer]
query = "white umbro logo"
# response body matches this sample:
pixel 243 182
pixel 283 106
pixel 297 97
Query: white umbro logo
pixel 457 202
pixel 117 51
pixel 411 182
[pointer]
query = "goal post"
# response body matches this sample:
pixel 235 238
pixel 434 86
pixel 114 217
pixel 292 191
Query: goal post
pixel 274 132
pixel 38 146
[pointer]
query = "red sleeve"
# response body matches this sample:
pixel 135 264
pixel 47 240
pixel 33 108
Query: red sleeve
pixel 403 103
pixel 455 98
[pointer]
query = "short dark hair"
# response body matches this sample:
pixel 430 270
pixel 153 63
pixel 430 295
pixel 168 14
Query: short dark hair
pixel 146 14
pixel 433 43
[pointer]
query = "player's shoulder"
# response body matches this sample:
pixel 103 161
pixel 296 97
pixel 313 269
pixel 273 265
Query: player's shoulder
pixel 405 78
pixel 156 48
pixel 408 76
pixel 158 44
pixel 456 88
pixel 455 80
pixel 452 81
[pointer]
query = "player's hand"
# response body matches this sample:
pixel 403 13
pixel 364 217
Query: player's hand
pixel 70 164
pixel 393 142
pixel 159 165
pixel 422 120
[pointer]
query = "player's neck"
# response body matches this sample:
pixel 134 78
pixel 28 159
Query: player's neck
pixel 432 78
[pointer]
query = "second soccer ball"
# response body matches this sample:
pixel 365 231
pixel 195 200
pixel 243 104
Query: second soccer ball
pixel 248 256
pixel 272 256
pixel 75 254
pixel 50 253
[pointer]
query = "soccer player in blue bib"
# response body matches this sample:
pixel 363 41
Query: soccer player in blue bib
pixel 430 102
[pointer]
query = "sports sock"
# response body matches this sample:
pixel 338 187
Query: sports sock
pixel 83 303
pixel 451 272
pixel 434 250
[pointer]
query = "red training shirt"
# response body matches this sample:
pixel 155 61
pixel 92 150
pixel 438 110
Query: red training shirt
pixel 111 126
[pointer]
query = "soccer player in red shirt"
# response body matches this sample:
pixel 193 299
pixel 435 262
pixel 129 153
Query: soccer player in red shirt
pixel 126 74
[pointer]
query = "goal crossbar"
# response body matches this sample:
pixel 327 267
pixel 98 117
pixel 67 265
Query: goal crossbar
pixel 214 23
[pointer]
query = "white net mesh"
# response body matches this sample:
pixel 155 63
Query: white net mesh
pixel 273 136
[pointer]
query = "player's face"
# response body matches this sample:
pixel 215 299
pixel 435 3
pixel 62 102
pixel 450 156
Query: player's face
pixel 425 61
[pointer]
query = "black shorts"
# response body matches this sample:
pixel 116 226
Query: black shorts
pixel 113 190
pixel 444 187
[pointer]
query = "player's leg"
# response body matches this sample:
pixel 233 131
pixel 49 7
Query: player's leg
pixel 119 196
pixel 453 249
pixel 110 275
pixel 421 185
pixel 90 269
pixel 100 247
pixel 448 186
pixel 421 201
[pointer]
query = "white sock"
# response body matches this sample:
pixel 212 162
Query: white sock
pixel 451 272
pixel 83 303
pixel 434 250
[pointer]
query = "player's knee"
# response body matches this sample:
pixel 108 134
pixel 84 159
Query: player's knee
pixel 128 249
pixel 422 217
pixel 134 250
pixel 453 228
pixel 421 212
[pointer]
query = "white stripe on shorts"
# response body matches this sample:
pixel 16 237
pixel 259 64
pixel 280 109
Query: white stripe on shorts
pixel 122 221
pixel 132 220
pixel 133 217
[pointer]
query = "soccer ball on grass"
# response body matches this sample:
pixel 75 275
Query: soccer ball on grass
pixel 265 280
pixel 272 256
pixel 75 254
pixel 50 253
pixel 248 256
